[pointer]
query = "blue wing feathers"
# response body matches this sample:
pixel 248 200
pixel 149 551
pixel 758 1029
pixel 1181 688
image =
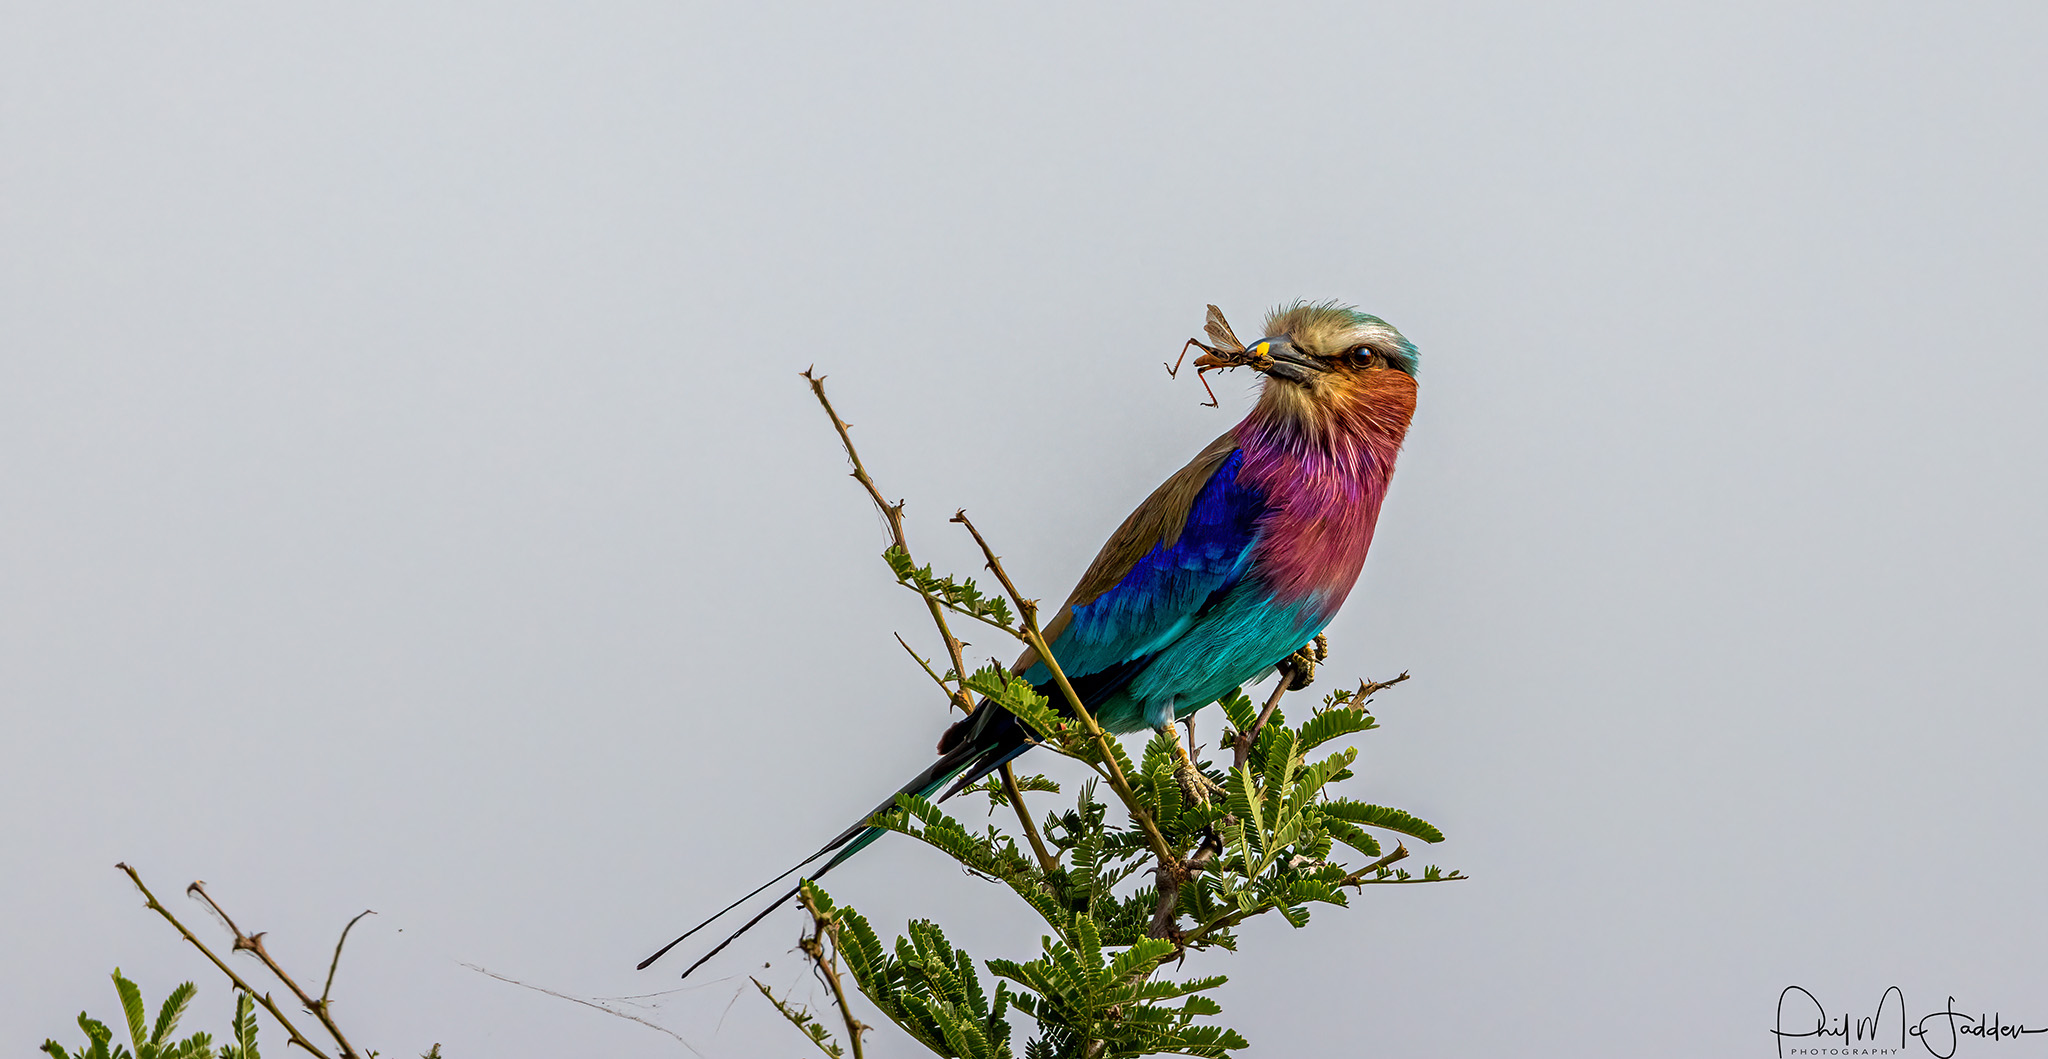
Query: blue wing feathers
pixel 1165 591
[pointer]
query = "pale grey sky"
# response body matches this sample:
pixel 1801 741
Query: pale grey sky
pixel 408 501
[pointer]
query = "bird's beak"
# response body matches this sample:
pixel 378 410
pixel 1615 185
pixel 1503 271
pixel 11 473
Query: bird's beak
pixel 1278 357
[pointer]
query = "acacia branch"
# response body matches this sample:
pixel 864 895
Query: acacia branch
pixel 958 695
pixel 254 943
pixel 1369 688
pixel 1046 861
pixel 799 1018
pixel 329 987
pixel 269 1005
pixel 894 514
pixel 1297 671
pixel 924 665
pixel 1250 736
pixel 823 927
pixel 1358 877
pixel 1027 610
pixel 1235 917
pixel 1166 910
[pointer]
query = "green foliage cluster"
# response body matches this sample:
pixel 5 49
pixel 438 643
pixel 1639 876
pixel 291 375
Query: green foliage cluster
pixel 1196 850
pixel 960 596
pixel 923 984
pixel 155 1041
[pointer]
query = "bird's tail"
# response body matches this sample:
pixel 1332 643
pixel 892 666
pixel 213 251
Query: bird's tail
pixel 974 747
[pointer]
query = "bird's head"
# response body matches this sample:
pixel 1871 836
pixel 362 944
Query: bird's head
pixel 1332 373
pixel 1325 344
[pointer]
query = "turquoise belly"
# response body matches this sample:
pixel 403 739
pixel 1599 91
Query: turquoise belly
pixel 1237 641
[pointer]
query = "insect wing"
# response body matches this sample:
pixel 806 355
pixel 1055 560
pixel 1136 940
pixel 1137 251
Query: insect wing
pixel 1220 333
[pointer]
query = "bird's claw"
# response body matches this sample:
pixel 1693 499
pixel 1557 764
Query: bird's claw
pixel 1194 786
pixel 1301 665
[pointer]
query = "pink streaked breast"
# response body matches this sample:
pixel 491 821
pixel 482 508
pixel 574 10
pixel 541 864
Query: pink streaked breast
pixel 1326 481
pixel 1314 544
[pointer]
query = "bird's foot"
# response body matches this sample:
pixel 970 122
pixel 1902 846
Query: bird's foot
pixel 1194 786
pixel 1301 665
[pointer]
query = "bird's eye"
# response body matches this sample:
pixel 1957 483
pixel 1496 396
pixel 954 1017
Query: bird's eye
pixel 1363 356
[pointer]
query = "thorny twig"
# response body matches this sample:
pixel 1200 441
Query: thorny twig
pixel 1011 790
pixel 1166 911
pixel 824 927
pixel 336 962
pixel 254 943
pixel 1369 688
pixel 924 665
pixel 1296 671
pixel 894 513
pixel 959 696
pixel 1046 861
pixel 1027 611
pixel 799 1018
pixel 1288 682
pixel 1249 736
pixel 1357 879
pixel 269 1005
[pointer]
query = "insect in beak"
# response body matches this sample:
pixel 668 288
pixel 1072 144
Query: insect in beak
pixel 1226 352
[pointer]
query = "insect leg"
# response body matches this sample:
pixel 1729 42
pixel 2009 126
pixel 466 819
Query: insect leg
pixel 1173 369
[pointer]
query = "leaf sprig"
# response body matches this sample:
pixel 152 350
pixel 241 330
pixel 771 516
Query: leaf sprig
pixel 149 1040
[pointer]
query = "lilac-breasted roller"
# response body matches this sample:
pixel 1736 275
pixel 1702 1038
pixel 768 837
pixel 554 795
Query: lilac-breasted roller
pixel 1229 567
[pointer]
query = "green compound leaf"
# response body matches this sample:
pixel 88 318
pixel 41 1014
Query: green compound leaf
pixel 1381 816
